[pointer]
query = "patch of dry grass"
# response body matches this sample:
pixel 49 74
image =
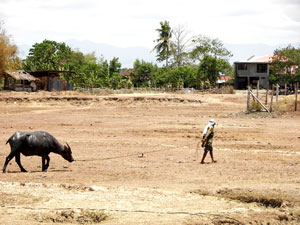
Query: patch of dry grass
pixel 248 196
pixel 17 199
pixel 271 199
pixel 284 105
pixel 70 216
pixel 255 218
pixel 223 90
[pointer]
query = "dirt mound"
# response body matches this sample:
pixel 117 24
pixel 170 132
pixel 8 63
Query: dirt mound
pixel 122 99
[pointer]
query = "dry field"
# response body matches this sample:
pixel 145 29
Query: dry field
pixel 136 164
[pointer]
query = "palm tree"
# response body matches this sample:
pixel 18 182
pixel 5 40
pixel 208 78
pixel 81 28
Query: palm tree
pixel 163 42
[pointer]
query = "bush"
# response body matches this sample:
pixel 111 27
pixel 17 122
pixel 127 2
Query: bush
pixel 255 106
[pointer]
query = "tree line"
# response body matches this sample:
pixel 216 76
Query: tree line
pixel 186 61
pixel 189 62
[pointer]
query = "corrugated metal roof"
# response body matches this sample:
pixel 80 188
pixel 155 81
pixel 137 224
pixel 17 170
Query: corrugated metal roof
pixel 266 59
pixel 258 59
pixel 20 75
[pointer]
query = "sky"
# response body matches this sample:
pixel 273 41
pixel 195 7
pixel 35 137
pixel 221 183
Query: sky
pixel 131 23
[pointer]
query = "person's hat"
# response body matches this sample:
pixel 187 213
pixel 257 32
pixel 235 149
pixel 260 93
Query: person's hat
pixel 212 121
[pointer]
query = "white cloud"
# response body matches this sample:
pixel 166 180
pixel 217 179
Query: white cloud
pixel 133 22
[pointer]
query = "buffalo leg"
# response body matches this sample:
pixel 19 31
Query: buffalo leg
pixel 48 161
pixel 18 161
pixel 8 158
pixel 45 164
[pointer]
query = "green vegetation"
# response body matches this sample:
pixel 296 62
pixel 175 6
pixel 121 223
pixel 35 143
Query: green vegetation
pixel 48 55
pixel 163 47
pixel 189 62
pixel 283 68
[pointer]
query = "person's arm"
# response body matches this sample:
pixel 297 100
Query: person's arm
pixel 204 138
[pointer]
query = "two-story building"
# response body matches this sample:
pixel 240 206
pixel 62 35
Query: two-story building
pixel 251 71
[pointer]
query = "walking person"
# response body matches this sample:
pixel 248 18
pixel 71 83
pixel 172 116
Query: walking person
pixel 207 140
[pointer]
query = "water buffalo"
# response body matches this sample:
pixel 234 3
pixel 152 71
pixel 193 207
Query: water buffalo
pixel 35 143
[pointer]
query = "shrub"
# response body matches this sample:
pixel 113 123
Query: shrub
pixel 255 106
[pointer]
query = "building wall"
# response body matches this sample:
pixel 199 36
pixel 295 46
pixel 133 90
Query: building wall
pixel 251 74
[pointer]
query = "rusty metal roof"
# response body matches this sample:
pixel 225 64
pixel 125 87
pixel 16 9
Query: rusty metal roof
pixel 20 75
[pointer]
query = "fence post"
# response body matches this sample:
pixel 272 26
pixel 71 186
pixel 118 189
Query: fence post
pixel 296 95
pixel 257 87
pixel 256 99
pixel 272 98
pixel 277 92
pixel 267 90
pixel 285 87
pixel 248 100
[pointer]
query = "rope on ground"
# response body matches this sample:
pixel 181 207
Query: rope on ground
pixel 124 156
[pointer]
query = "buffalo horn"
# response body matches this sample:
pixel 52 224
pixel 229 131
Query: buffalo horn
pixel 68 146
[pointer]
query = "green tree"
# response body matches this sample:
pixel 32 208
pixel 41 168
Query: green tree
pixel 163 47
pixel 224 67
pixel 142 73
pixel 188 75
pixel 208 70
pixel 76 60
pixel 203 46
pixel 161 77
pixel 113 73
pixel 284 65
pixel 114 67
pixel 48 55
pixel 89 70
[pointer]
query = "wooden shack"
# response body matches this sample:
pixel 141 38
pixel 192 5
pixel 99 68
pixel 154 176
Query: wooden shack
pixel 19 81
pixel 50 80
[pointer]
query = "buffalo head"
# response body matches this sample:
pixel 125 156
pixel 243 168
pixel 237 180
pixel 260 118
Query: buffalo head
pixel 67 153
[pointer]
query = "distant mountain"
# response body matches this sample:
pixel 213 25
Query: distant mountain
pixel 127 56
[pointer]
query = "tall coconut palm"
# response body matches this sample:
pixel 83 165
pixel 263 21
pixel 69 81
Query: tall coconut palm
pixel 163 42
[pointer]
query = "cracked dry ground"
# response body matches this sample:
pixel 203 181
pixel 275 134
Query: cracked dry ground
pixel 135 160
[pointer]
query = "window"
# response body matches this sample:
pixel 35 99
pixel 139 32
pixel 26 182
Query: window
pixel 262 68
pixel 242 66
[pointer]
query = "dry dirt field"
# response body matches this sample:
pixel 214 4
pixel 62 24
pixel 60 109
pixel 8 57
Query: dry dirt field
pixel 136 163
